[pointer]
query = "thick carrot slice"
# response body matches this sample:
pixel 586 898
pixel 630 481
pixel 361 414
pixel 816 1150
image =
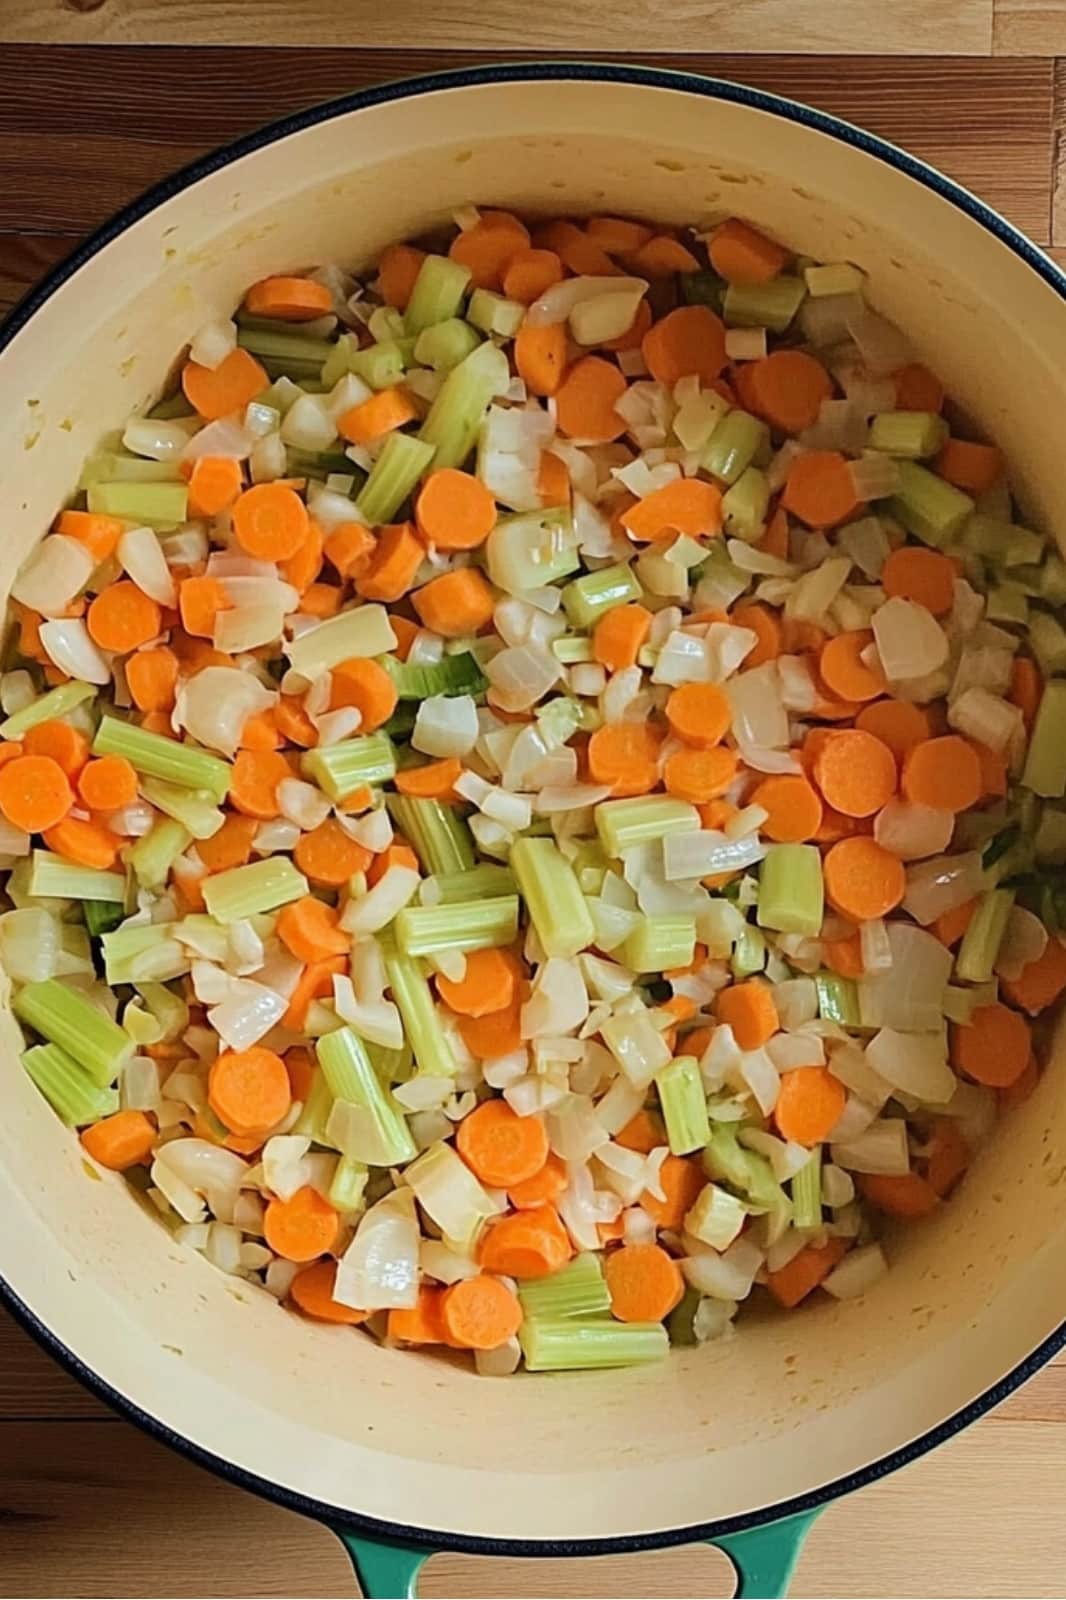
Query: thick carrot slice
pixel 620 635
pixel 488 984
pixel 99 534
pixel 618 235
pixel 308 927
pixel 480 1313
pixel 819 489
pixel 844 956
pixel 391 568
pixel 200 599
pixel 315 981
pixel 950 926
pixel 311 1291
pixel 500 1147
pixel 973 467
pixel 948 1156
pixel 1041 982
pixel 794 807
pixel 526 1244
pixel 662 257
pixel 34 793
pixel 925 576
pixel 270 522
pixel 398 854
pixel 302 1227
pixel 897 723
pixel 120 1141
pixel 681 1178
pixel 917 389
pixel 809 1105
pixel 788 388
pixel 739 253
pixel 254 780
pixel 907 1195
pixel 89 843
pixel 495 1034
pixel 300 1065
pixel 248 1090
pixel 123 617
pixel 64 743
pixel 289 299
pixel 214 484
pixel 543 1188
pixel 540 357
pixel 398 268
pixel 748 1008
pixel 107 783
pixel 801 1276
pixel 553 480
pixel 530 273
pixel 1020 1090
pixel 1026 688
pixel 454 510
pixel 455 604
pixel 487 248
pixel 382 413
pixel 855 772
pixel 863 880
pixel 152 677
pixel 585 400
pixel 699 713
pixel 994 1047
pixel 362 683
pixel 216 391
pixel 644 1283
pixel 644 1132
pixel 420 1324
pixel 699 776
pixel 688 505
pixel 433 781
pixel 845 673
pixel 944 772
pixel 766 625
pixel 688 342
pixel 231 846
pixel 625 755
pixel 576 249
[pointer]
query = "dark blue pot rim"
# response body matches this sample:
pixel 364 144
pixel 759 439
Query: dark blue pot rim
pixel 31 303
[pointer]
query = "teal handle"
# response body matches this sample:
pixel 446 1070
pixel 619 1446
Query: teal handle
pixel 764 1558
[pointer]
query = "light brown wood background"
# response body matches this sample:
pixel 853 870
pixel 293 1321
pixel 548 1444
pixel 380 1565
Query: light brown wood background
pixel 89 1506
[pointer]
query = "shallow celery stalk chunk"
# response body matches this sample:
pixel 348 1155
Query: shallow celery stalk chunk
pixel 553 897
pixel 158 757
pixel 791 895
pixel 377 1132
pixel 576 1290
pixel 421 1019
pixel 575 1344
pixel 684 1105
pixel 66 1018
pixel 243 892
pixel 475 925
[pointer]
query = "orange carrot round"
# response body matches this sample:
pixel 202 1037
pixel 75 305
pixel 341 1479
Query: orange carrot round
pixel 488 984
pixel 845 673
pixel 681 1178
pixel 540 357
pixel 254 779
pixel 487 248
pixel 819 489
pixel 391 567
pixel 308 928
pixel 766 625
pixel 973 467
pixel 270 522
pixel 748 1008
pixel 480 1313
pixel 231 846
pixel 917 389
pixel 906 1195
pixel 585 400
pixel 87 842
pixel 99 534
pixel 311 1291
pixel 662 257
pixel 925 576
pixel 200 599
pixel 1041 982
pixel 862 880
pixel 950 926
pixel 302 1227
pixel 1026 688
pixel 289 299
pixel 543 1188
pixel 994 1046
pixel 34 793
pixel 897 723
pixel 123 617
pixel 620 635
pixel 107 783
pixel 454 510
pixel 526 1244
pixel 788 388
pixel 421 1323
pixel 362 683
pixel 794 807
pixel 501 1147
pixel 739 253
pixel 122 1140
pixel 495 1034
pixel 530 273
pixel 248 1090
pixel 855 772
pixel 625 755
pixel 943 772
pixel 699 713
pixel 619 236
pixel 553 480
pixel 948 1155
pixel 809 1105
pixel 398 267
pixel 699 776
pixel 434 780
pixel 216 391
pixel 455 604
pixel 644 1283
pixel 381 414
pixel 688 342
pixel 60 740
pixel 688 505
pixel 152 677
pixel 214 484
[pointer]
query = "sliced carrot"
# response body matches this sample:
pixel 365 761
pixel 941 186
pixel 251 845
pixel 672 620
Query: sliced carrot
pixel 699 776
pixel 526 1244
pixel 699 713
pixel 270 522
pixel 994 1046
pixel 495 1034
pixel 382 413
pixel 392 565
pixel 348 547
pixel 289 299
pixel 553 480
pixel 398 854
pixel 661 257
pixel 308 928
pixel 152 677
pixel 644 1283
pixel 1026 688
pixel 293 723
pixel 107 783
pixel 254 779
pixel 123 617
pixel 862 880
pixel 845 673
pixel 301 1067
pixel 620 635
pixel 788 388
pixel 457 603
pixel 433 781
pixel 844 956
pixel 454 510
pixel 88 842
pixel 530 273
pixel 1020 1090
pixel 748 1008
pixel 766 625
pixel 855 772
pixel 897 723
pixel 1041 982
pixel 950 926
pixel 10 751
pixel 681 1178
pixel 398 268
pixel 793 1282
pixel 488 984
pixel 644 1133
pixel 906 1195
pixel 948 1156
pixel 199 601
pixel 973 467
pixel 311 1291
pixel 810 1103
pixel 214 484
pixel 487 248
pixel 303 568
pixel 122 1140
pixel 688 342
pixel 261 732
pixel 231 846
pixel 315 981
pixel 362 683
pixel 64 743
pixel 774 541
pixel 34 793
pixel 421 1323
pixel 302 1227
pixel 625 755
pixel 248 1090
pixel 819 489
pixel 924 576
pixel 739 253
pixel 540 358
pixel 585 400
pixel 99 534
pixel 576 249
pixel 480 1313
pixel 793 805
pixel 618 235
pixel 500 1147
pixel 917 389
pixel 543 1188
pixel 798 635
pixel 688 505
pixel 216 391
pixel 944 773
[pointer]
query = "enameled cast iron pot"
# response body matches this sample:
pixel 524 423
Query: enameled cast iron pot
pixel 403 1455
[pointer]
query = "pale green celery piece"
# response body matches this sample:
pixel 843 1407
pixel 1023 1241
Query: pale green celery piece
pixel 835 277
pixel 703 289
pixel 173 406
pixel 350 1075
pixel 1007 603
pixel 979 949
pixel 763 305
pixel 733 445
pixel 387 323
pixel 194 809
pixel 1051 837
pixel 908 435
pixel 337 363
pixel 1001 543
pixel 283 394
pixel 1045 763
pixel 474 925
pixel 437 295
pixel 572 649
pixel 140 1024
pixel 749 953
pixel 559 719
pixel 716 1217
pixel 588 597
pixel 444 345
pixel 482 882
pixel 458 411
pixel 959 1004
pixel 144 955
pixel 532 549
pixel 440 838
pixel 744 506
pixel 54 877
pixel 577 1345
pixel 312 1121
pixel 349 1182
pixel 576 1290
pixel 621 824
pixel 153 505
pixel 838 999
pixel 320 464
pixel 1047 639
pixel 807 1193
pixel 394 476
pixel 295 352
pixel 660 943
pixel 392 1066
pixel 1030 581
pixel 168 1008
pixel 339 769
pixel 927 506
pixel 727 1161
pixel 243 892
pixel 494 313
pixel 680 1324
pixel 684 1105
pixel 67 1018
pixel 381 365
pixel 102 916
pixel 549 887
pixel 111 466
pixel 57 703
pixel 421 1020
pixel 452 674
pixel 71 1091
pixel 155 756
pixel 152 855
pixel 791 895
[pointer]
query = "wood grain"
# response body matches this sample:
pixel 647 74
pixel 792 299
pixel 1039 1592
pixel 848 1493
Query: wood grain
pixel 903 27
pixel 1029 28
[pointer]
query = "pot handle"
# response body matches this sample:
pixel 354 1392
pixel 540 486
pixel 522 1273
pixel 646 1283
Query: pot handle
pixel 764 1559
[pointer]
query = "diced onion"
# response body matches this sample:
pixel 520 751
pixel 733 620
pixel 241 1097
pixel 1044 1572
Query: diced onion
pixel 376 909
pixel 556 304
pixel 53 575
pixel 68 645
pixel 942 884
pixel 910 641
pixel 882 1150
pixel 379 1269
pixel 910 995
pixel 227 437
pixel 858 1272
pixel 916 1063
pixel 446 725
pixel 213 342
pixel 214 705
pixel 912 831
pixel 143 560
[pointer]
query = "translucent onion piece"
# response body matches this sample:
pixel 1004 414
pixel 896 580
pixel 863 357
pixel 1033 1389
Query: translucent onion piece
pixel 558 1003
pixel 882 346
pixel 68 645
pixel 942 884
pixel 446 725
pixel 724 1277
pixel 604 316
pixel 910 641
pixel 213 342
pixel 915 1063
pixel 882 1149
pixel 574 1129
pixel 521 676
pixel 858 1272
pixel 759 715
pixel 53 575
pixel 1024 941
pixel 227 437
pixel 143 560
pixel 376 909
pixel 379 1269
pixel 910 995
pixel 214 705
pixel 556 304
pixel 988 718
pixel 912 831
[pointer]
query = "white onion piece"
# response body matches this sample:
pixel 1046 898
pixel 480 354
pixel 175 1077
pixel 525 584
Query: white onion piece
pixel 143 560
pixel 882 1150
pixel 379 1269
pixel 308 425
pixel 759 715
pixel 53 574
pixel 521 675
pixel 301 803
pixel 446 725
pixel 605 316
pixel 284 1167
pixel 911 831
pixel 910 641
pixel 247 1016
pixel 213 342
pixel 203 1165
pixel 227 437
pixel 376 909
pixel 558 1002
pixel 942 884
pixel 156 439
pixel 916 1063
pixel 881 345
pixel 1024 941
pixel 910 995
pixel 724 1277
pixel 556 304
pixel 214 705
pixel 757 1073
pixel 574 1130
pixel 988 718
pixel 707 851
pixel 858 1272
pixel 68 644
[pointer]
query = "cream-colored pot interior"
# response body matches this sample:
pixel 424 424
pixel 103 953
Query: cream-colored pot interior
pixel 793 1402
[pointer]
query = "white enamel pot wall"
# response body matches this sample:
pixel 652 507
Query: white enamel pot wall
pixel 795 1408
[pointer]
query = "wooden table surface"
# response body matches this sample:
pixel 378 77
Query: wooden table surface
pixel 99 98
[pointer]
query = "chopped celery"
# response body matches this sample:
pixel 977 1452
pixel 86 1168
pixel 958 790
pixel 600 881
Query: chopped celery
pixel 243 892
pixel 1045 763
pixel 587 598
pixel 314 1118
pixel 532 549
pixel 71 1092
pixel 438 293
pixel 167 1008
pixel 444 345
pixel 680 1324
pixel 703 289
pixel 364 631
pixel 621 824
pixel 395 473
pixel 1047 639
pixel 336 364
pixel 977 953
pixel 749 953
pixel 834 277
pixel 293 352
pixel 576 1290
pixel 458 411
pixel 158 757
pixel 684 1105
pixel 838 999
pixel 660 943
pixel 102 916
pixel 54 877
pixel 553 897
pixel 482 882
pixel 153 505
pixel 421 1020
pixel 1051 837
pixel 349 1182
pixel 472 925
pixel 57 703
pixel 109 466
pixel 65 1017
pixel 148 954
pixel 763 305
pixel 152 855
pixel 911 435
pixel 791 898
pixel 338 769
pixel 572 649
pixel 927 506
pixel 319 464
pixel 194 809
pixel 380 1135
pixel 745 504
pixel 733 445
pixel 392 1066
pixel 381 365
pixel 455 674
pixel 387 323
pixel 493 313
pixel 283 394
pixel 439 836
pixel 807 1193
pixel 727 1161
pixel 1001 543
pixel 1007 603
pixel 1052 580
pixel 716 1217
pixel 576 1345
